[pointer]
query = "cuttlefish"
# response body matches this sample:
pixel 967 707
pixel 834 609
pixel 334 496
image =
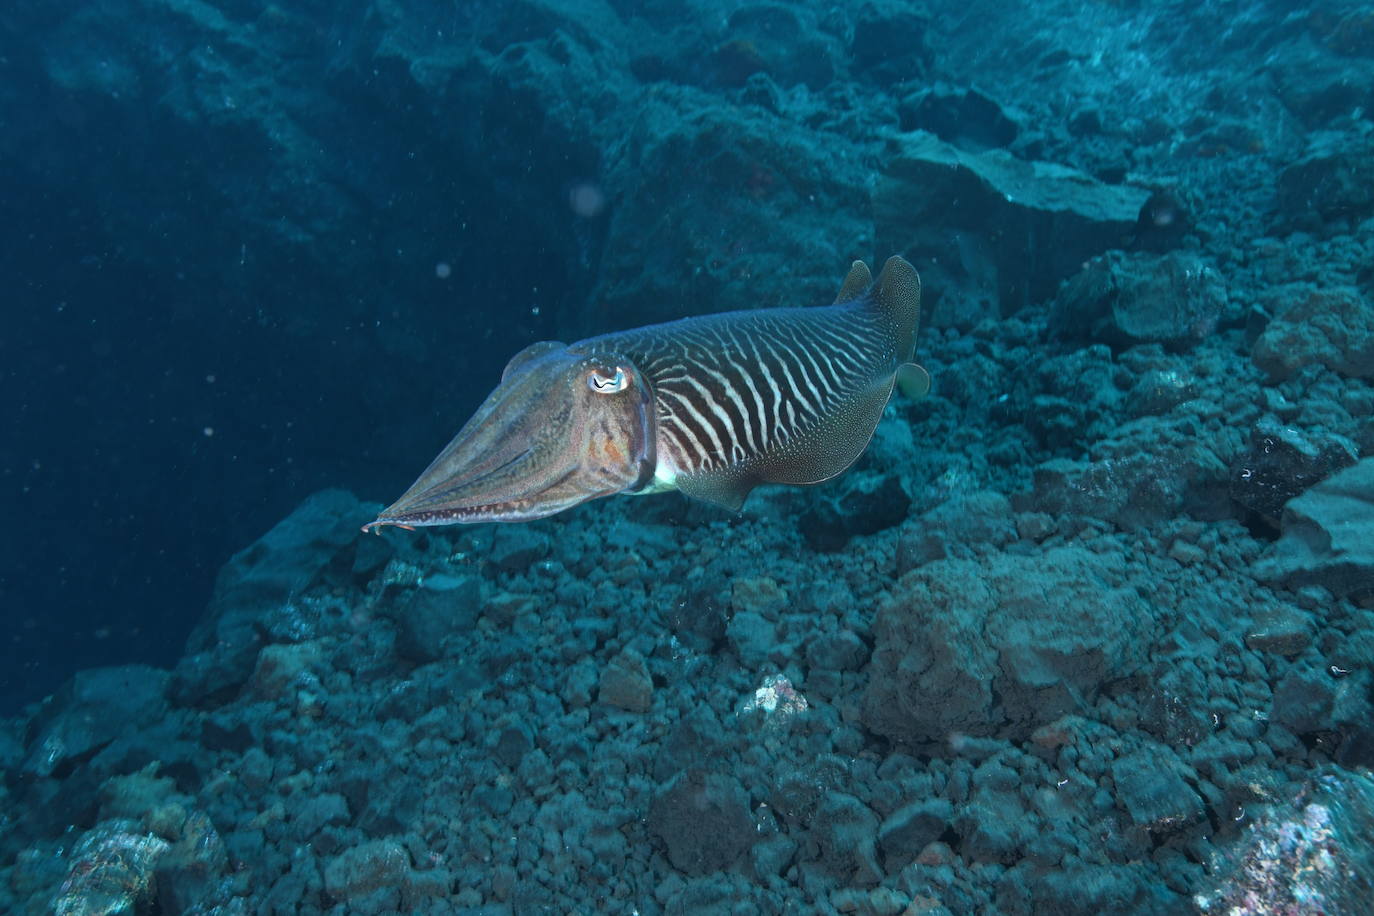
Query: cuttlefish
pixel 712 406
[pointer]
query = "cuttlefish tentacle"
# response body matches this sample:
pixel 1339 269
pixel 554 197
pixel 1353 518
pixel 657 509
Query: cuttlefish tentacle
pixel 712 406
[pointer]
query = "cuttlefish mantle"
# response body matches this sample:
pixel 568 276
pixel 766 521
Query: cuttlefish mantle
pixel 712 406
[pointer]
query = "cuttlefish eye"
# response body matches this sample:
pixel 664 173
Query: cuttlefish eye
pixel 608 384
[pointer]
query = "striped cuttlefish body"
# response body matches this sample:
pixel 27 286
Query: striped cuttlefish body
pixel 712 406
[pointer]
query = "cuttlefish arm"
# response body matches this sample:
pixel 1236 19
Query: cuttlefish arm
pixel 563 427
pixel 712 406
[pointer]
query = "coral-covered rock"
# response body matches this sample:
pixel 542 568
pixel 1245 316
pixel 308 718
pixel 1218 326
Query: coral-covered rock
pixel 1311 853
pixel 112 866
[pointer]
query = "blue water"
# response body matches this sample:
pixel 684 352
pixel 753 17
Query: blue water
pixel 1087 629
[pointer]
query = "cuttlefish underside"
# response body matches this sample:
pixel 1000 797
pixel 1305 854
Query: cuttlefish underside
pixel 712 406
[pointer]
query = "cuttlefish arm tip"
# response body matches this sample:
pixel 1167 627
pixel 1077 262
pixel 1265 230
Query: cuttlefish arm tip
pixel 375 527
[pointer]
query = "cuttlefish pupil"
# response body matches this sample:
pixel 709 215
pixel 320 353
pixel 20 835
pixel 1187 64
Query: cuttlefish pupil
pixel 712 406
pixel 617 382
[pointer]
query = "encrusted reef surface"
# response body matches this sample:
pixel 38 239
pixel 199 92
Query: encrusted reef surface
pixel 1089 630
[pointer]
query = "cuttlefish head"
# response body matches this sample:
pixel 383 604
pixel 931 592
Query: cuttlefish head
pixel 564 426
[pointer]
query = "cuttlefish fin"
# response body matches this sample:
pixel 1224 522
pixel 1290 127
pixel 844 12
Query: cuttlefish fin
pixel 913 381
pixel 822 450
pixel 856 283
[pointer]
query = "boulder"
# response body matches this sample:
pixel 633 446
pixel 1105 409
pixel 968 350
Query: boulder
pixel 966 217
pixel 1127 299
pixel 1331 326
pixel 703 819
pixel 1000 646
pixel 92 709
pixel 1328 536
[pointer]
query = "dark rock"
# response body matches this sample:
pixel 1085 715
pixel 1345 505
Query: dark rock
pixel 867 505
pixel 772 856
pixel 703 819
pixel 1320 89
pixel 254 769
pixel 192 873
pixel 957 528
pixel 1151 787
pixel 1329 184
pixel 92 709
pixel 391 808
pixel 515 548
pixel 752 636
pixel 1283 462
pixel 780 184
pixel 758 595
pixel 510 741
pixel 625 683
pixel 285 560
pixel 1303 701
pixel 1090 890
pixel 223 648
pixel 700 615
pixel 443 607
pixel 1138 482
pixel 772 39
pixel 910 828
pixel 993 827
pixel 970 214
pixel 842 651
pixel 1328 536
pixel 366 868
pixel 1280 630
pixel 695 739
pixel 845 830
pixel 311 813
pixel 221 732
pixel 1127 299
pixel 1163 222
pixel 1159 391
pixel 890 41
pixel 501 655
pixel 372 554
pixel 963 116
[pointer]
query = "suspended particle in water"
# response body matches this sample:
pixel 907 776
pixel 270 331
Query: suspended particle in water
pixel 586 199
